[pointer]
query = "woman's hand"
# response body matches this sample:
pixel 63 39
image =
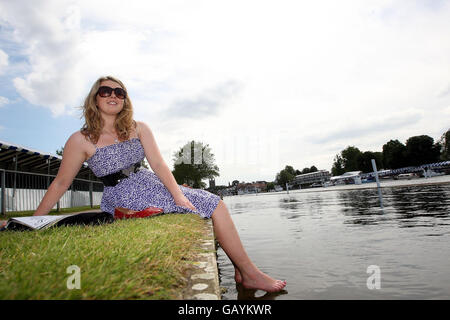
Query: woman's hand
pixel 3 223
pixel 182 201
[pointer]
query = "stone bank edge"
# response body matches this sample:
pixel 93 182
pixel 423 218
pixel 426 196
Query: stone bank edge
pixel 203 278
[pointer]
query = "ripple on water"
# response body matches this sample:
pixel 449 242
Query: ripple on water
pixel 323 242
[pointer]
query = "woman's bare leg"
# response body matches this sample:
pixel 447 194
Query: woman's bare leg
pixel 245 269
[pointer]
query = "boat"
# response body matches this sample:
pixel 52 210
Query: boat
pixel 407 176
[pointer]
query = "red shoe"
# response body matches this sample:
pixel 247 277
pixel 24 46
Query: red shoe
pixel 148 212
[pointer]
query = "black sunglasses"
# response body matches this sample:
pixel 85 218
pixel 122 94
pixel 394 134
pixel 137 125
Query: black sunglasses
pixel 105 91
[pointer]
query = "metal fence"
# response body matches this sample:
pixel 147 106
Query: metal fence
pixel 23 191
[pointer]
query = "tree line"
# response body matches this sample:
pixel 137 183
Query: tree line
pixel 195 162
pixel 416 151
pixel 288 174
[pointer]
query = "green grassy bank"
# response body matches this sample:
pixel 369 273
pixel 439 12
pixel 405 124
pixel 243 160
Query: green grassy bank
pixel 128 259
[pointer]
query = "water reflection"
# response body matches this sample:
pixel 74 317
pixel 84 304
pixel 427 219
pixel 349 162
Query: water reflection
pixel 400 205
pixel 295 206
pixel 291 208
pixel 239 207
pixel 249 294
pixel 361 207
pixel 323 242
pixel 417 201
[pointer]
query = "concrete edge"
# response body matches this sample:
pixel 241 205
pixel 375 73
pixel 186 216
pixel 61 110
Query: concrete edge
pixel 202 281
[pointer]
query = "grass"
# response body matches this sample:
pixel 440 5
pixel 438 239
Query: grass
pixel 128 259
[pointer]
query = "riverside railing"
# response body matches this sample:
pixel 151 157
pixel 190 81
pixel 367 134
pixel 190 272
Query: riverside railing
pixel 23 191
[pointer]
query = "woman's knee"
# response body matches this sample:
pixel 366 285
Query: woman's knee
pixel 221 204
pixel 221 207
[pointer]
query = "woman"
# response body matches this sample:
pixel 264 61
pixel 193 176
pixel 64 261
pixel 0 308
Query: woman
pixel 110 141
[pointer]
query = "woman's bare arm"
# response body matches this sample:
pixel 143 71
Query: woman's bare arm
pixel 73 158
pixel 159 166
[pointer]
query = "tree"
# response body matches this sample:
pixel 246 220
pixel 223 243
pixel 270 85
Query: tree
pixel 394 154
pixel 290 170
pixel 338 166
pixel 365 161
pixel 350 157
pixel 346 161
pixel 193 163
pixel 285 176
pixel 308 170
pixel 270 186
pixel 444 144
pixel 421 150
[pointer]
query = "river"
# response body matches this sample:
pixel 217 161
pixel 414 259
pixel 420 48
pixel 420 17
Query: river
pixel 339 244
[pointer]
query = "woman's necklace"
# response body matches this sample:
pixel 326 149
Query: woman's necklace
pixel 114 136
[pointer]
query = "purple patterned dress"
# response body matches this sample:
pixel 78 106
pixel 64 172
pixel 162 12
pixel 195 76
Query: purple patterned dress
pixel 142 189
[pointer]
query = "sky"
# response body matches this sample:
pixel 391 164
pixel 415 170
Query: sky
pixel 264 83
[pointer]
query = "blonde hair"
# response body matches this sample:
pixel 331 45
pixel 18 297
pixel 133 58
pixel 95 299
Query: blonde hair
pixel 93 121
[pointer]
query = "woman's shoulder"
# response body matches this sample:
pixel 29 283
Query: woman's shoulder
pixel 140 127
pixel 78 138
pixel 78 141
pixel 141 124
pixel 138 123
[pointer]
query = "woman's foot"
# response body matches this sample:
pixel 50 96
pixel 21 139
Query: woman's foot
pixel 262 281
pixel 237 275
pixel 259 280
pixel 245 271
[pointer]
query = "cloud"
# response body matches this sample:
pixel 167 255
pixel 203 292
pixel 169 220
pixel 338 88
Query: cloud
pixel 207 103
pixel 3 101
pixel 325 72
pixel 444 92
pixel 3 61
pixel 447 111
pixel 50 32
pixel 364 127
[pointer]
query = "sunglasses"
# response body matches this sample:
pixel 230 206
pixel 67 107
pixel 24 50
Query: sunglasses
pixel 105 91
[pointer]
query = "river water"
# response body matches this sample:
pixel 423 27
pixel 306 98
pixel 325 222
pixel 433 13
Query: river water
pixel 339 244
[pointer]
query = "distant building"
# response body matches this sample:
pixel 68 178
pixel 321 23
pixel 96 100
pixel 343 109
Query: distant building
pixel 320 176
pixel 255 187
pixel 351 177
pixel 278 188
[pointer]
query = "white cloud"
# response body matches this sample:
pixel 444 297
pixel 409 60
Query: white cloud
pixel 339 72
pixel 206 104
pixel 3 101
pixel 353 131
pixel 50 33
pixel 3 61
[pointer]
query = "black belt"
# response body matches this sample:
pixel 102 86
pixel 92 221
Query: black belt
pixel 114 178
